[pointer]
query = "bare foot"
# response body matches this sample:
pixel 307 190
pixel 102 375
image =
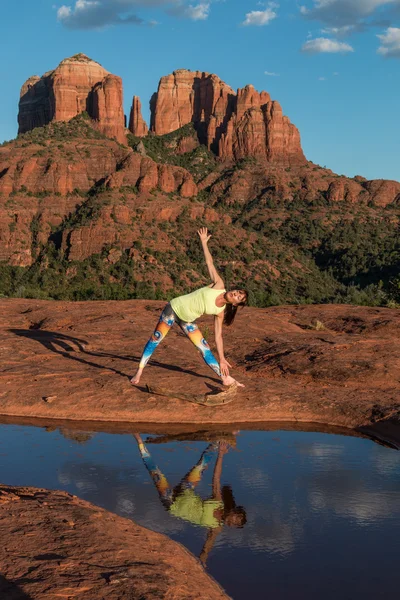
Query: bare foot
pixel 136 378
pixel 231 381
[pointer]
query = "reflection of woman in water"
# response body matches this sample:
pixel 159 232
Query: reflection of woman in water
pixel 184 310
pixel 183 502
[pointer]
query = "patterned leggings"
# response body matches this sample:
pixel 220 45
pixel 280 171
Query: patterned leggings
pixel 167 319
pixel 166 493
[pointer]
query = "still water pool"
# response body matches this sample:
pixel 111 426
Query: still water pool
pixel 272 514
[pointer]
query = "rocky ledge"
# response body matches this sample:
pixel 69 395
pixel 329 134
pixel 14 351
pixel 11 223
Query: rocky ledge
pixel 55 545
pixel 331 364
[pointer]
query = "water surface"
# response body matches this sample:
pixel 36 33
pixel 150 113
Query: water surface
pixel 303 515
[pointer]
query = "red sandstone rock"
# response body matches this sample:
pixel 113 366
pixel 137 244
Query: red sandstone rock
pixel 343 371
pixel 78 84
pixel 107 108
pixel 345 189
pixel 52 170
pixel 234 126
pixel 147 175
pixel 79 550
pixel 186 144
pixel 188 96
pixel 250 135
pixel 247 98
pixel 283 138
pixel 137 124
pixel 42 183
pixel 382 191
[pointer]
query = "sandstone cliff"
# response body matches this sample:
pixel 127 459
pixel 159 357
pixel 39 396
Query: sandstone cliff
pixel 67 188
pixel 137 124
pixel 78 84
pixel 233 125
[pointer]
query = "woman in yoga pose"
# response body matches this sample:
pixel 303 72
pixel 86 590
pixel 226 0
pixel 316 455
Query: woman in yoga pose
pixel 184 310
pixel 184 503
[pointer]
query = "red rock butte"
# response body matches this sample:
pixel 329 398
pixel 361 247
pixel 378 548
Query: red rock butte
pixel 232 125
pixel 78 84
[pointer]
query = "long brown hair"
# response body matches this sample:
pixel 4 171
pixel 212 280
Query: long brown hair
pixel 231 310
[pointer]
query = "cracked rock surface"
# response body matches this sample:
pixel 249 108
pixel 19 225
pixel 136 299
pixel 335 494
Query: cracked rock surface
pixel 330 364
pixel 55 545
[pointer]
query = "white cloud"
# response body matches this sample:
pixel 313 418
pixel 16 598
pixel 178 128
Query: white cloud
pixel 63 12
pixel 271 74
pixel 261 17
pixel 339 13
pixel 324 45
pixel 321 78
pixel 97 14
pixel 200 12
pixel 339 31
pixel 390 41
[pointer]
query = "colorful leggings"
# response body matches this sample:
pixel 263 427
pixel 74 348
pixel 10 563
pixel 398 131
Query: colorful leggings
pixel 166 493
pixel 167 319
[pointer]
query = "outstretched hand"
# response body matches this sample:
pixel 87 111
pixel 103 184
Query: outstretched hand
pixel 203 234
pixel 224 365
pixel 223 447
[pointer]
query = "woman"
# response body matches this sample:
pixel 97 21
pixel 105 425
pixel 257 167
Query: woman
pixel 184 503
pixel 211 300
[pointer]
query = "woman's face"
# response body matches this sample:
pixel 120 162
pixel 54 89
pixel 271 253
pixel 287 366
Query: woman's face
pixel 235 296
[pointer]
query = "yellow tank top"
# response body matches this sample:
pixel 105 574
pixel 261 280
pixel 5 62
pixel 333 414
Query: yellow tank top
pixel 190 507
pixel 201 302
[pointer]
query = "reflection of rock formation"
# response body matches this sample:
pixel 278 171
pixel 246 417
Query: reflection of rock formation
pixel 81 437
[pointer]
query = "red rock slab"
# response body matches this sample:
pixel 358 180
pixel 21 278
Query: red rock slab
pixel 55 545
pixel 331 364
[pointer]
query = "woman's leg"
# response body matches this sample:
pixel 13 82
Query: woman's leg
pixel 167 319
pixel 196 337
pixel 159 480
pixel 192 478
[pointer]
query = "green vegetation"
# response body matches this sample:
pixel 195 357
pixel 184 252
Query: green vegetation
pixel 301 257
pixel 77 128
pixel 282 250
pixel 162 148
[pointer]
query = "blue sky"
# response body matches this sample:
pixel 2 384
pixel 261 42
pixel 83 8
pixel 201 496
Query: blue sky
pixel 332 64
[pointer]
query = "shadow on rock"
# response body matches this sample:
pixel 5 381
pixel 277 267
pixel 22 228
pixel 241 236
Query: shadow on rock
pixel 69 347
pixel 10 591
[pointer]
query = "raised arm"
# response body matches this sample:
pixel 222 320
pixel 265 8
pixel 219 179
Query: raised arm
pixel 215 277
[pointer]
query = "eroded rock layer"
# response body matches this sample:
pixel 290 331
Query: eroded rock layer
pixel 137 124
pixel 78 84
pixel 233 125
pixel 329 364
pixel 78 550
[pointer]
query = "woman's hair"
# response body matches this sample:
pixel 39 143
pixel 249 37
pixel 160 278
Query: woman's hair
pixel 234 516
pixel 231 310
